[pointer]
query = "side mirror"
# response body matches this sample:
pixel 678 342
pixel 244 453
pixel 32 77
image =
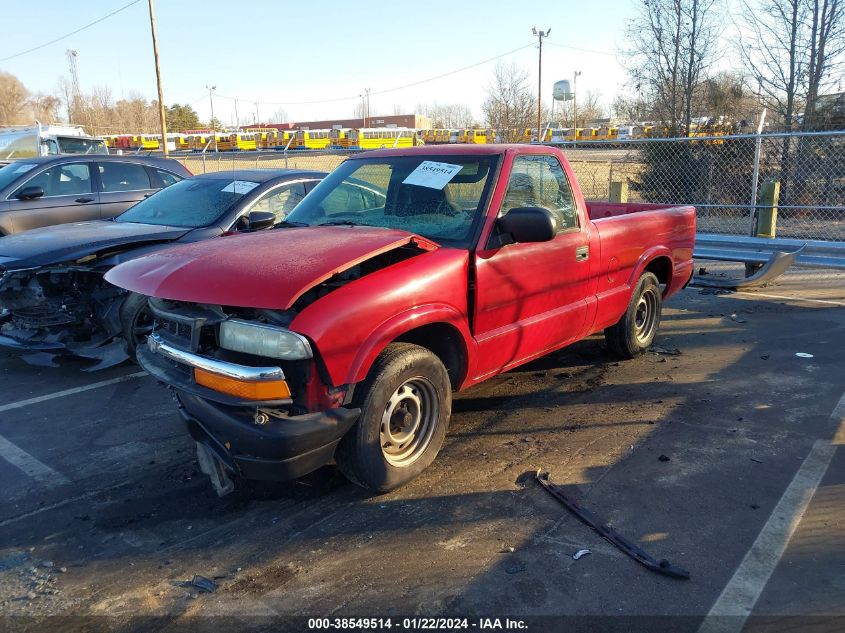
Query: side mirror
pixel 528 224
pixel 258 220
pixel 30 193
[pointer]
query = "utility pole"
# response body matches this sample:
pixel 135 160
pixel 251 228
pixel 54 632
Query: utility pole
pixel 158 80
pixel 213 127
pixel 575 101
pixel 237 118
pixel 540 35
pixel 367 92
pixel 257 120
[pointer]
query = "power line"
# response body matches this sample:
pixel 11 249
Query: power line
pixel 59 39
pixel 386 90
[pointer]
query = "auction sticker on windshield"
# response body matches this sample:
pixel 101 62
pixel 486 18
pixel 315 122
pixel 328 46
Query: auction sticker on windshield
pixel 432 174
pixel 242 187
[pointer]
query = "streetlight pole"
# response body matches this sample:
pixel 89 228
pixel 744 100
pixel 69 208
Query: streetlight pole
pixel 575 101
pixel 213 127
pixel 158 79
pixel 540 35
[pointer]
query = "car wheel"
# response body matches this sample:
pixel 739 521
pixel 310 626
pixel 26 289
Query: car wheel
pixel 405 403
pixel 136 321
pixel 635 331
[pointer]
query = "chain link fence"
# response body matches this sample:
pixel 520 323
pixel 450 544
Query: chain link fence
pixel 724 178
pixel 320 160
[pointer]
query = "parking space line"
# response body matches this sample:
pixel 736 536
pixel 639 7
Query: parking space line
pixel 36 469
pixel 737 600
pixel 69 392
pixel 788 298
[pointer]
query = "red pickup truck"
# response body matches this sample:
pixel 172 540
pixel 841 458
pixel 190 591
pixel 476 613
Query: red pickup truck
pixel 406 274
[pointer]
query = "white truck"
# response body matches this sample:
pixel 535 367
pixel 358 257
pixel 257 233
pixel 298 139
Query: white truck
pixel 47 140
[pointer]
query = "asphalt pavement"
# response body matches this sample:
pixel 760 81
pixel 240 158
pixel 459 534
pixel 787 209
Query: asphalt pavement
pixel 718 451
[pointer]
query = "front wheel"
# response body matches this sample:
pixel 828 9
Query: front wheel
pixel 136 321
pixel 405 403
pixel 635 331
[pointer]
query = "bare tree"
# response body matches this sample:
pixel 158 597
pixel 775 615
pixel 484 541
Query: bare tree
pixel 673 42
pixel 280 115
pixel 773 45
pixel 13 100
pixel 45 108
pixel 511 103
pixel 448 115
pixel 827 45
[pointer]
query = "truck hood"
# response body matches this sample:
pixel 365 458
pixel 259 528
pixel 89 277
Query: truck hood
pixel 69 242
pixel 269 270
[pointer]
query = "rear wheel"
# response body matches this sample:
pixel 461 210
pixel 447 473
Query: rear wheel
pixel 136 321
pixel 405 404
pixel 635 331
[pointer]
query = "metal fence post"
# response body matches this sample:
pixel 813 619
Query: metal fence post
pixel 286 158
pixel 752 224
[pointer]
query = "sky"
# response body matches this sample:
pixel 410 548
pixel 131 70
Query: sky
pixel 322 51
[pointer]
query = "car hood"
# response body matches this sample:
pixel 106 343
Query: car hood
pixel 69 242
pixel 269 270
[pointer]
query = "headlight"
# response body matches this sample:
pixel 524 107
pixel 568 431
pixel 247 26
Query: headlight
pixel 263 340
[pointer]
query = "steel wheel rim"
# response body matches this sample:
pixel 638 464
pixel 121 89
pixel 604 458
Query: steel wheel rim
pixel 408 422
pixel 645 316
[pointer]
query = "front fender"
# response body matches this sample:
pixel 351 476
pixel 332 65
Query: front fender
pixel 402 323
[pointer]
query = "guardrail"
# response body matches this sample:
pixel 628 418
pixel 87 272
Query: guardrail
pixel 758 250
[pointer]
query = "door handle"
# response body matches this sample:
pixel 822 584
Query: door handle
pixel 85 199
pixel 582 253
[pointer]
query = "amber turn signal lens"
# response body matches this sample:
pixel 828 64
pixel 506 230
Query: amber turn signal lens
pixel 265 390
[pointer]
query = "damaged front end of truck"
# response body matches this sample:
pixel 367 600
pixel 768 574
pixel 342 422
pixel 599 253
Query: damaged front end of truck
pixel 63 309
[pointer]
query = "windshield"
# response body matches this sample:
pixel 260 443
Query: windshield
pixel 13 171
pixel 191 203
pixel 80 145
pixel 437 197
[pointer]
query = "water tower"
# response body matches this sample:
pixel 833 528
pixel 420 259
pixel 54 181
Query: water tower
pixel 562 91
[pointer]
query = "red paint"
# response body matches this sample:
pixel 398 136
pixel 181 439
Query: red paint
pixel 506 305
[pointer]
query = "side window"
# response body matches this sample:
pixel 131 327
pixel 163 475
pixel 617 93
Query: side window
pixel 52 147
pixel 348 199
pixel 167 178
pixel 539 181
pixel 280 201
pixel 62 180
pixel 123 177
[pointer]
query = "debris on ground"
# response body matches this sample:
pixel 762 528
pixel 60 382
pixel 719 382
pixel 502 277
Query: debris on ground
pixel 664 458
pixel 803 355
pixel 594 521
pixel 754 459
pixel 736 318
pixel 202 583
pixel 764 357
pixel 674 351
pixel 580 553
pixel 515 568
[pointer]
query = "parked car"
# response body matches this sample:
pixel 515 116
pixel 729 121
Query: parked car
pixel 47 190
pixel 344 335
pixel 52 294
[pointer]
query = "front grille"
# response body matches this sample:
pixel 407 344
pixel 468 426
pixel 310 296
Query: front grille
pixel 180 334
pixel 42 315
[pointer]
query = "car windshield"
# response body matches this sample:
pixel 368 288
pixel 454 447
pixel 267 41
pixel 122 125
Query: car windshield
pixel 79 145
pixel 191 203
pixel 11 172
pixel 437 197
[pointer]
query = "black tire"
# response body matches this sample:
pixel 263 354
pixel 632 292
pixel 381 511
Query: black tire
pixel 635 331
pixel 405 403
pixel 136 321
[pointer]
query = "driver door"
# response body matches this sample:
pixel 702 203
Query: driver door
pixel 532 298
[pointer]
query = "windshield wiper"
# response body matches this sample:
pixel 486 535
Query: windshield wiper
pixel 286 223
pixel 342 223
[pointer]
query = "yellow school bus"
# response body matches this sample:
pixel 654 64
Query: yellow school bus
pixel 374 138
pixel 339 138
pixel 312 139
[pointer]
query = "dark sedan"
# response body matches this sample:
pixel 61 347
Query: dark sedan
pixel 53 297
pixel 49 190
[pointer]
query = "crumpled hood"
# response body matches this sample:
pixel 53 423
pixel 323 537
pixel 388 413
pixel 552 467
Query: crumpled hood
pixel 69 242
pixel 271 269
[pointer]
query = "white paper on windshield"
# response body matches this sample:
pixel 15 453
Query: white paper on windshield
pixel 22 168
pixel 242 187
pixel 432 174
